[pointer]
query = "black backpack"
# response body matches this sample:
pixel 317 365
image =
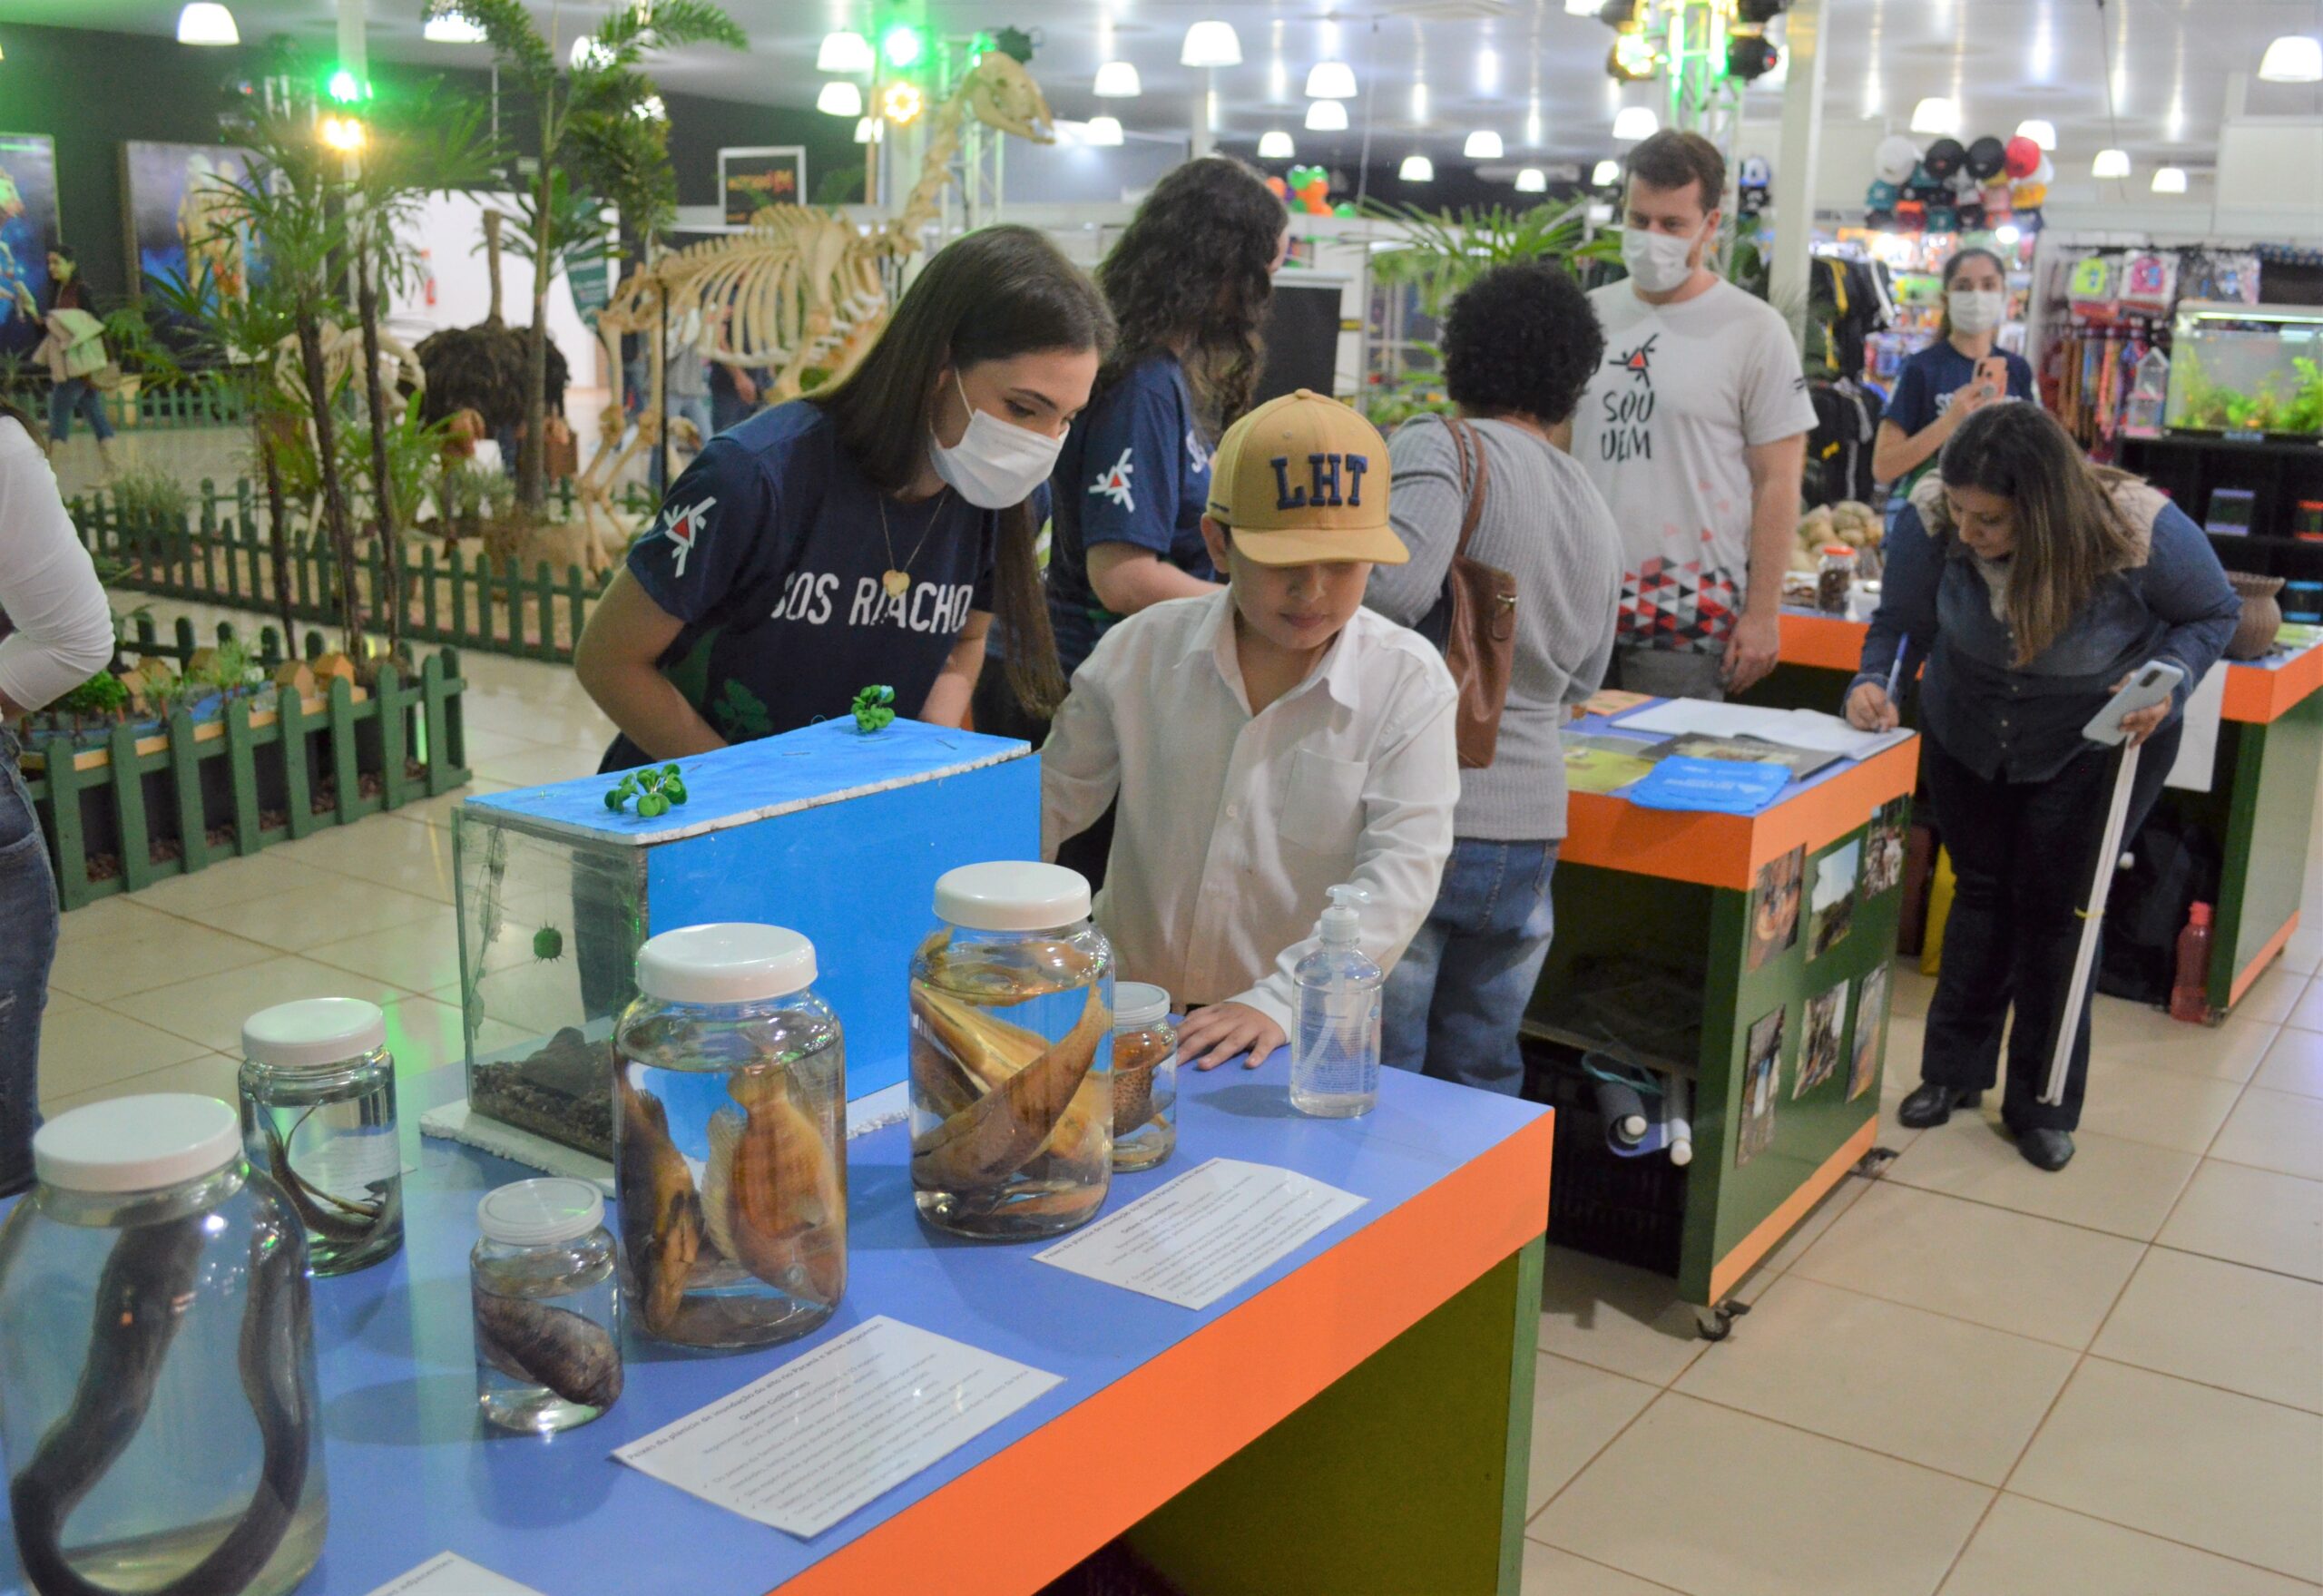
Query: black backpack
pixel 2174 865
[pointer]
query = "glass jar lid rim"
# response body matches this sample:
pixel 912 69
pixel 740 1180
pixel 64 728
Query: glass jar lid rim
pixel 1012 895
pixel 725 962
pixel 314 1032
pixel 540 1212
pixel 1138 1004
pixel 137 1143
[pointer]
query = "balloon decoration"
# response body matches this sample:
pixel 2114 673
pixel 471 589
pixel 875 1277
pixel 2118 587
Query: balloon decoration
pixel 1952 187
pixel 1278 189
pixel 1310 187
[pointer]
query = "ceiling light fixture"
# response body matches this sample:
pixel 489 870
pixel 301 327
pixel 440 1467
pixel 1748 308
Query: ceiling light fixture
pixel 451 29
pixel 2170 179
pixel 1419 104
pixel 1104 132
pixel 2041 132
pixel 1117 79
pixel 868 129
pixel 2109 163
pixel 844 54
pixel 1531 181
pixel 1417 169
pixel 1212 44
pixel 2292 59
pixel 1484 144
pixel 207 23
pixel 1605 173
pixel 1276 145
pixel 1635 122
pixel 1935 114
pixel 840 98
pixel 1582 7
pixel 1326 116
pixel 1330 80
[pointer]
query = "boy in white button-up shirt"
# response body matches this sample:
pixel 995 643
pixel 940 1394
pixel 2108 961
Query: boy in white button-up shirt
pixel 1264 743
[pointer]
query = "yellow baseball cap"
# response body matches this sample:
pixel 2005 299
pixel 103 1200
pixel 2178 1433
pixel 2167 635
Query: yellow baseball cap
pixel 1302 480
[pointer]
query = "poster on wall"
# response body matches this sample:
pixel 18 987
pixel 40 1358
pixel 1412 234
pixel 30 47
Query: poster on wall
pixel 28 230
pixel 1819 1048
pixel 749 181
pixel 1832 903
pixel 1774 907
pixel 1762 1067
pixel 177 196
pixel 1883 855
pixel 1870 1026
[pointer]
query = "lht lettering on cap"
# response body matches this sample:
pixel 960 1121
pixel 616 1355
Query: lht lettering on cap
pixel 1323 490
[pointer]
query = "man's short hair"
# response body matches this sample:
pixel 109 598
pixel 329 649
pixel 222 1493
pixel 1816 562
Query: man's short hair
pixel 1672 158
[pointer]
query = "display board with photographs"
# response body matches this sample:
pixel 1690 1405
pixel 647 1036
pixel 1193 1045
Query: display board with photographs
pixel 1883 849
pixel 1820 1041
pixel 28 232
pixel 1774 908
pixel 1761 1075
pixel 1831 903
pixel 1871 1030
pixel 179 208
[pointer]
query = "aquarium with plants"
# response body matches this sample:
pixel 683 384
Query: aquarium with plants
pixel 2246 368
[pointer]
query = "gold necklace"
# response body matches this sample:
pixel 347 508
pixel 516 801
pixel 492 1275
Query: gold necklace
pixel 896 579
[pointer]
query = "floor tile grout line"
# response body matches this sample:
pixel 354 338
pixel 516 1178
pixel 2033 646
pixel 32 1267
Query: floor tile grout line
pixel 2184 1251
pixel 1610 1568
pixel 1794 1424
pixel 2029 1214
pixel 1595 1457
pixel 2156 1535
pixel 2124 1362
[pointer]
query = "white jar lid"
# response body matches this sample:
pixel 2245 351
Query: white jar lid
pixel 1137 1005
pixel 731 961
pixel 540 1213
pixel 314 1032
pixel 137 1143
pixel 1010 895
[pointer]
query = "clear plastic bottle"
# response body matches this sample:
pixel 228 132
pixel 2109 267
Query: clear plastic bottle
pixel 319 1116
pixel 158 1402
pixel 1335 1043
pixel 547 1297
pixel 1146 1076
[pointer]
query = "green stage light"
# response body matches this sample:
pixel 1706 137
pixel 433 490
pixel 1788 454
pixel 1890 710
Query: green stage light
pixel 902 46
pixel 344 88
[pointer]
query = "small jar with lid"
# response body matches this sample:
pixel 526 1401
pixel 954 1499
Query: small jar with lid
pixel 1146 1076
pixel 158 1404
pixel 319 1116
pixel 546 1284
pixel 1834 579
pixel 1012 1044
pixel 729 1139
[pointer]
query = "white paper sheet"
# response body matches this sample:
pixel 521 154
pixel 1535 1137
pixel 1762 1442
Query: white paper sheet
pixel 1811 729
pixel 1203 1234
pixel 827 1432
pixel 1799 729
pixel 449 1574
pixel 2197 759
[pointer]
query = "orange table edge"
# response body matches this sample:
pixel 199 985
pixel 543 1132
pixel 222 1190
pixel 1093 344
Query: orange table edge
pixel 2258 965
pixel 1829 643
pixel 1197 1404
pixel 1769 1231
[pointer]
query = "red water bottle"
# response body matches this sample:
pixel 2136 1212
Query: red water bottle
pixel 2190 997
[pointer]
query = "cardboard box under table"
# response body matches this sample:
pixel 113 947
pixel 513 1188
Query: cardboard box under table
pixel 835 834
pixel 1661 962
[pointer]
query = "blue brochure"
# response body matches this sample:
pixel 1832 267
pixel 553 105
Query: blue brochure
pixel 1716 786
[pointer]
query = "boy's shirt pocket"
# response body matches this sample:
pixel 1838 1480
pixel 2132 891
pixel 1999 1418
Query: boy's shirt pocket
pixel 1322 803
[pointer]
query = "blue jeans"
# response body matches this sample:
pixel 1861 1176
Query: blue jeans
pixel 28 945
pixel 1455 999
pixel 76 395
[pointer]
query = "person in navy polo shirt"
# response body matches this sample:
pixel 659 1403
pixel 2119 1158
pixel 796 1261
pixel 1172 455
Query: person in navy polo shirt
pixel 1943 384
pixel 868 532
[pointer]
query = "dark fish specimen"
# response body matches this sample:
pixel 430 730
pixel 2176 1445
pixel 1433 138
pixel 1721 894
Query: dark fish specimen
pixel 661 1212
pixel 570 1353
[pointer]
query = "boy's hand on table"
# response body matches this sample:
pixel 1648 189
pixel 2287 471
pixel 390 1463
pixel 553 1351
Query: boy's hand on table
pixel 1213 1036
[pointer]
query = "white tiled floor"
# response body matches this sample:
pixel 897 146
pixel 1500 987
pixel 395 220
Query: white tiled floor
pixel 1966 1377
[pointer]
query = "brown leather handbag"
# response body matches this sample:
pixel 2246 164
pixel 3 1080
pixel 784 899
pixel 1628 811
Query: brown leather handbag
pixel 1475 620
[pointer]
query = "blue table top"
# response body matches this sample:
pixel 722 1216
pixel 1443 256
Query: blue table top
pixel 412 1473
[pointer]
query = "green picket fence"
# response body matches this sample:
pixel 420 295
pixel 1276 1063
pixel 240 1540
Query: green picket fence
pixel 136 803
pixel 218 553
pixel 214 402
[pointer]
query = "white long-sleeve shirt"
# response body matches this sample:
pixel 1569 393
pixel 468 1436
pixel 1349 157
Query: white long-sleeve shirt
pixel 59 632
pixel 1231 827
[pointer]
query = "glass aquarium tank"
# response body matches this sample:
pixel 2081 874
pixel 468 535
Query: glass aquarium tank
pixel 2254 370
pixel 837 833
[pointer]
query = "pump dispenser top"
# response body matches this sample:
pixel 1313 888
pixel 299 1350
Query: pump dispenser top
pixel 1343 921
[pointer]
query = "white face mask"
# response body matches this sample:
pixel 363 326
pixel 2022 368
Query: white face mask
pixel 1659 263
pixel 1976 309
pixel 996 463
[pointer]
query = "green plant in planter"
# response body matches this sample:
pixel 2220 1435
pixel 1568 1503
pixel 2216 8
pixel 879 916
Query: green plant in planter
pixel 103 696
pixel 146 496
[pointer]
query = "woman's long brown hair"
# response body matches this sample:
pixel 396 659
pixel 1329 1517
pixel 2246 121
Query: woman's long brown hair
pixel 2071 535
pixel 996 294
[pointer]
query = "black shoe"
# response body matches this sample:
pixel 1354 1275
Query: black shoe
pixel 2045 1149
pixel 1930 1104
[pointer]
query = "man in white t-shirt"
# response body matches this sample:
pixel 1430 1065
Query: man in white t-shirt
pixel 1694 429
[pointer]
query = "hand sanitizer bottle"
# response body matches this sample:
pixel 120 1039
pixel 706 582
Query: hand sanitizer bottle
pixel 1335 1048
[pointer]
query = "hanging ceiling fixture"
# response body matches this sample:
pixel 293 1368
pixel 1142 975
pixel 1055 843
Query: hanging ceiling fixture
pixel 1484 144
pixel 1330 80
pixel 2114 161
pixel 1117 79
pixel 2041 131
pixel 2111 163
pixel 1582 7
pixel 207 23
pixel 451 29
pixel 1635 122
pixel 1417 169
pixel 2169 180
pixel 1327 116
pixel 1276 145
pixel 2292 59
pixel 1103 132
pixel 840 98
pixel 1212 44
pixel 868 130
pixel 1606 173
pixel 844 54
pixel 1531 180
pixel 1936 114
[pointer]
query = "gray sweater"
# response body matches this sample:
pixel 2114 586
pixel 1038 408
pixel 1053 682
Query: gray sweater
pixel 1545 525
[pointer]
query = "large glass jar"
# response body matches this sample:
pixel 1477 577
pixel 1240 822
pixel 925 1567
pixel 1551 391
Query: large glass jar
pixel 1146 1076
pixel 543 1282
pixel 1011 1047
pixel 158 1405
pixel 319 1116
pixel 729 1139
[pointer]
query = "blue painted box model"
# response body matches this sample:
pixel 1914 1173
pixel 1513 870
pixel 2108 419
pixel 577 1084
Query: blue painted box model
pixel 836 834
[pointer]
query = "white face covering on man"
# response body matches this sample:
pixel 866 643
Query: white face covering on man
pixel 995 464
pixel 1660 262
pixel 1976 310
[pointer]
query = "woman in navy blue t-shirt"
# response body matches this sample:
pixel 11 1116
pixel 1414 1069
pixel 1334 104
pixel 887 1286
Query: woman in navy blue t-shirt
pixel 866 534
pixel 1954 377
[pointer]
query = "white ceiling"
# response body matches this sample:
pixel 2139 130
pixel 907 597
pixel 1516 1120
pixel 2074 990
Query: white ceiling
pixel 1485 62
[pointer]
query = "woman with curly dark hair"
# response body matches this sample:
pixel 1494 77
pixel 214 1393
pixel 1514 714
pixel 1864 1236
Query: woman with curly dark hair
pixel 1520 344
pixel 1189 284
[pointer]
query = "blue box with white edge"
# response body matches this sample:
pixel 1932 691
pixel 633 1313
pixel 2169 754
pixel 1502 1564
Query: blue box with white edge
pixel 834 833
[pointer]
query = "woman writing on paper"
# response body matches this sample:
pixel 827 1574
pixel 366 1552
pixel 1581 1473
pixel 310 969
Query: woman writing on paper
pixel 2033 584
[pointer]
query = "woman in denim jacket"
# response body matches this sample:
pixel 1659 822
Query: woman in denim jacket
pixel 2032 584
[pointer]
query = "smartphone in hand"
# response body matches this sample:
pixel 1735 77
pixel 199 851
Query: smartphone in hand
pixel 1992 371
